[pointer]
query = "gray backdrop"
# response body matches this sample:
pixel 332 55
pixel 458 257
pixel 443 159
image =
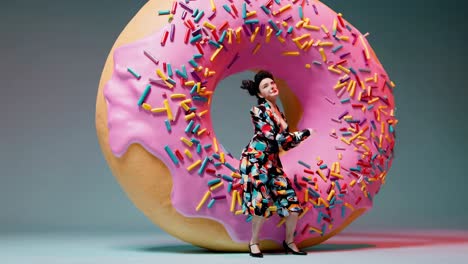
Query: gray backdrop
pixel 54 177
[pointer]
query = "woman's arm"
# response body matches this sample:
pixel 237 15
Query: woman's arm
pixel 264 121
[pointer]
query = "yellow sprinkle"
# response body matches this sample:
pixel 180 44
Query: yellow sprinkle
pixel 239 200
pixel 291 53
pixel 201 131
pixel 284 8
pixel 238 212
pixel 332 69
pixel 281 39
pixel 229 36
pixel 209 25
pixel 315 230
pixel 177 96
pixel 238 35
pixel 349 206
pixel 321 175
pixel 373 100
pixel 236 175
pixel 334 24
pixel 344 38
pixel 146 106
pixel 322 201
pixel 188 153
pixel 330 195
pixel 345 141
pixel 344 69
pixel 186 141
pixel 281 222
pixel 189 83
pixel 326 44
pixel 268 34
pixel 352 183
pixel 222 157
pixel 303 212
pixel 284 23
pixel 303 46
pixel 251 13
pixel 161 74
pixel 216 53
pixel 203 200
pixel 303 36
pixel 233 200
pixel 215 143
pixel 168 108
pixel 311 27
pixel 202 113
pixel 299 24
pixel 307 65
pixel 322 52
pixel 214 187
pixel 213 7
pixel 365 46
pixel 325 29
pixel 252 37
pixel 185 106
pixel 193 165
pixel 158 110
pixel 189 116
pixel 257 47
pixel 272 208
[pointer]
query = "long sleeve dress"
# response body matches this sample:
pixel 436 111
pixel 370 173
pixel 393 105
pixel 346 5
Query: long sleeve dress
pixel 266 188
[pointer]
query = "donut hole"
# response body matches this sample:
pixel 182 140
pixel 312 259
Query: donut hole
pixel 230 108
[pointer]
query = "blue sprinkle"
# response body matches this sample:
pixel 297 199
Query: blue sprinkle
pixel 171 81
pixel 347 100
pixel 138 76
pixel 301 13
pixel 210 204
pixel 169 70
pixel 197 56
pixel 244 10
pixel 249 218
pixel 196 38
pixel 193 63
pixel 324 228
pixel 304 164
pixel 195 129
pixel 227 8
pixel 144 95
pixel 290 29
pixel 171 155
pixel 273 24
pixel 323 166
pixel 279 32
pixel 214 43
pixel 251 21
pixel 168 125
pixel 207 146
pixel 189 126
pixel 199 16
pixel 229 187
pixel 343 211
pixel 337 48
pixel 223 35
pixel 202 167
pixel 265 9
pixel 229 166
pixel 227 178
pixel 198 148
pixel 213 182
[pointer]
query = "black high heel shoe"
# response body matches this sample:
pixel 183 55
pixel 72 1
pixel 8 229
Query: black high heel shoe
pixel 255 255
pixel 287 249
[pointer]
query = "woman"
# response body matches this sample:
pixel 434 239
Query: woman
pixel 264 181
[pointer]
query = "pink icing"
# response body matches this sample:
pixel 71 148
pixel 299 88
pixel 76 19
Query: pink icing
pixel 129 123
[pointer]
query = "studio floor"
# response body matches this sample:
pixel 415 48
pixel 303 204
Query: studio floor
pixel 396 247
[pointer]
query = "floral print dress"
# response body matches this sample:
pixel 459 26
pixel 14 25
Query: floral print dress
pixel 266 188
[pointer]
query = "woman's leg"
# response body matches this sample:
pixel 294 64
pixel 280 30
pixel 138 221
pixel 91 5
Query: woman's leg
pixel 291 221
pixel 257 222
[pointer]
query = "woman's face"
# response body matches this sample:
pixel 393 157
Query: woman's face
pixel 268 89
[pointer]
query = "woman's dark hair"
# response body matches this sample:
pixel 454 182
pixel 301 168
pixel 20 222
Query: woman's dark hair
pixel 253 86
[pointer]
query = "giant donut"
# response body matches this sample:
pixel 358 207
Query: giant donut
pixel 154 126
